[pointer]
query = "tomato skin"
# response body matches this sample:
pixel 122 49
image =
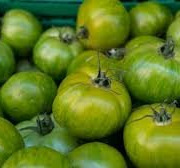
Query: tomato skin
pixel 11 140
pixel 58 139
pixel 140 40
pixel 150 145
pixel 34 157
pixel 78 97
pixel 27 94
pixel 173 31
pixel 107 23
pixel 90 58
pixel 52 55
pixel 7 62
pixel 150 76
pixel 96 155
pixel 149 18
pixel 20 29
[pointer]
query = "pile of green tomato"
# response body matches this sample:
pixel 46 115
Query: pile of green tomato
pixel 102 95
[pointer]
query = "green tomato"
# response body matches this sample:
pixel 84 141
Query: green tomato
pixel 55 50
pixel 102 25
pixel 27 94
pixel 44 131
pixel 152 72
pixel 149 18
pixel 10 140
pixel 37 157
pixel 173 31
pixel 91 106
pixel 25 65
pixel 90 58
pixel 152 136
pixel 96 155
pixel 140 40
pixel 7 62
pixel 20 29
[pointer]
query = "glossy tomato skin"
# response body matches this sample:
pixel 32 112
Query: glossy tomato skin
pixel 149 18
pixel 7 62
pixel 90 58
pixel 34 157
pixel 11 140
pixel 140 40
pixel 107 24
pixel 151 77
pixel 83 107
pixel 58 139
pixel 20 29
pixel 52 54
pixel 150 145
pixel 173 31
pixel 96 155
pixel 27 94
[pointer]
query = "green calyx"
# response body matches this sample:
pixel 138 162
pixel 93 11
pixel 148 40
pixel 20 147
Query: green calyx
pixel 116 53
pixel 67 38
pixel 82 33
pixel 45 125
pixel 167 50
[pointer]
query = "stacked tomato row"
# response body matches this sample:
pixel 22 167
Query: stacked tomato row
pixel 102 96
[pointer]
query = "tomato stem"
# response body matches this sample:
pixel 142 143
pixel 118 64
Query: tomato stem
pixel 82 33
pixel 45 125
pixel 101 80
pixel 66 38
pixel 167 50
pixel 116 53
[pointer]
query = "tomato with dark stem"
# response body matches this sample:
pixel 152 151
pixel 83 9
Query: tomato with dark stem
pixel 55 50
pixel 44 131
pixel 152 136
pixel 102 25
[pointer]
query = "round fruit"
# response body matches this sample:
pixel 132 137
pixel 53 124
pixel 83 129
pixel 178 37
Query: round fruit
pixel 103 24
pixel 27 94
pixel 43 131
pixel 7 62
pixel 152 72
pixel 140 40
pixel 173 31
pixel 90 58
pixel 10 140
pixel 37 157
pixel 152 136
pixel 150 18
pixel 91 106
pixel 20 29
pixel 55 50
pixel 25 65
pixel 96 155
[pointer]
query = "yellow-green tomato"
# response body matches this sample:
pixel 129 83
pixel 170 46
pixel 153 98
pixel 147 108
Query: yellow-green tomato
pixel 37 157
pixel 10 140
pixel 55 50
pixel 27 94
pixel 103 24
pixel 173 31
pixel 150 18
pixel 96 155
pixel 7 62
pixel 91 105
pixel 152 136
pixel 20 29
pixel 140 40
pixel 90 58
